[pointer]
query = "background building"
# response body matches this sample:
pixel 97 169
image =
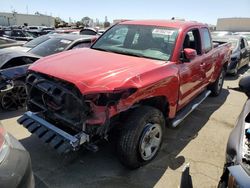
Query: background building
pixel 10 19
pixel 233 24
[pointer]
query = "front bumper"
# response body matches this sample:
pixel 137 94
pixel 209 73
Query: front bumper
pixel 57 138
pixel 15 169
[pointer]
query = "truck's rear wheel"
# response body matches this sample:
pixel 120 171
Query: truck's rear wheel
pixel 235 73
pixel 216 87
pixel 141 137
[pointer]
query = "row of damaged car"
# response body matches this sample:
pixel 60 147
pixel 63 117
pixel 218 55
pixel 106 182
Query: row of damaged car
pixel 240 42
pixel 15 60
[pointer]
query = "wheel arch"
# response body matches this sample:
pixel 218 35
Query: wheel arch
pixel 159 102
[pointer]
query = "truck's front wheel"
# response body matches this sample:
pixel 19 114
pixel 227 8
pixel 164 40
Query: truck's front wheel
pixel 141 137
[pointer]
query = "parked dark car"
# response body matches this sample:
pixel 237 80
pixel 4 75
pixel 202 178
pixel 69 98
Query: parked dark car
pixel 15 163
pixel 29 45
pixel 5 42
pixel 39 30
pixel 240 52
pixel 237 166
pixel 13 66
pixel 17 34
pixel 244 34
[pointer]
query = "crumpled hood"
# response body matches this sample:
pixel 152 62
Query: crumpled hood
pixel 92 70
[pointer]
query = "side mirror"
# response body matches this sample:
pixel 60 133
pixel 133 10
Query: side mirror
pixel 244 85
pixel 190 53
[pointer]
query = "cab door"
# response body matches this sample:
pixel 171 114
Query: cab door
pixel 191 75
pixel 209 55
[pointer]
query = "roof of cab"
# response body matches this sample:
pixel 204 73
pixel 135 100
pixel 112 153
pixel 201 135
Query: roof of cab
pixel 165 23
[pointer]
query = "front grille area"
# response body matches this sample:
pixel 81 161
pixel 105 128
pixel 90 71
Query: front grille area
pixel 59 102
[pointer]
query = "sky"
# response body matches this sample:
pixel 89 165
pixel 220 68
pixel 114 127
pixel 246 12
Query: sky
pixel 203 11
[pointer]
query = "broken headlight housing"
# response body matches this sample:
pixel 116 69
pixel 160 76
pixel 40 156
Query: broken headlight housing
pixel 106 99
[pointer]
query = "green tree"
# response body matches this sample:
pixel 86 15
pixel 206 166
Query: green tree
pixel 106 24
pixel 57 21
pixel 85 21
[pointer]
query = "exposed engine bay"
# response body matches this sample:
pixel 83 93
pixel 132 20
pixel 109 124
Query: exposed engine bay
pixel 59 102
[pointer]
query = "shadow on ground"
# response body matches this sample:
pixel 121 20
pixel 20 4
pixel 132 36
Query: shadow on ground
pixel 102 169
pixel 242 71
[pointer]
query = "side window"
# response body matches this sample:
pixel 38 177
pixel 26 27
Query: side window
pixel 192 40
pixel 207 43
pixel 87 32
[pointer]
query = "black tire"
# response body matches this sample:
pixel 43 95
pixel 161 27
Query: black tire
pixel 236 70
pixel 17 97
pixel 135 132
pixel 216 87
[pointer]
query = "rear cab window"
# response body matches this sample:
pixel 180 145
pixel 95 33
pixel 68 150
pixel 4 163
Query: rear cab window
pixel 206 40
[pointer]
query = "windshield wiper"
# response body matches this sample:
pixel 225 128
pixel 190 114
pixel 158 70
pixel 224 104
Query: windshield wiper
pixel 101 49
pixel 127 53
pixel 118 52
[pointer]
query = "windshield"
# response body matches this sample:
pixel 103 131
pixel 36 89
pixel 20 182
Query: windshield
pixel 36 41
pixel 234 43
pixel 138 40
pixel 51 46
pixel 27 34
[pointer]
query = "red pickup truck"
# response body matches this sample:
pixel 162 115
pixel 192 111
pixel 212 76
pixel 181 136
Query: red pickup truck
pixel 138 77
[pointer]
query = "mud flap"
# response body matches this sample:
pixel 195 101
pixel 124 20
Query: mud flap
pixel 58 139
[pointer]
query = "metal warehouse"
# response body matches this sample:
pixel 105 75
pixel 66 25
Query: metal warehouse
pixel 10 19
pixel 233 24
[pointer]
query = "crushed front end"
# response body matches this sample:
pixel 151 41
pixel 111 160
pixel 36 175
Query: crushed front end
pixel 236 171
pixel 57 112
pixel 60 115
